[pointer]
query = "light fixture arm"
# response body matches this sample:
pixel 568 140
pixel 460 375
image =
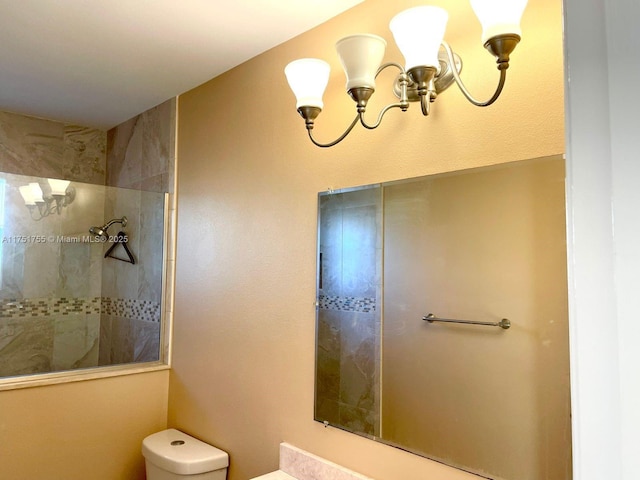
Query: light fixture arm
pixel 309 125
pixel 503 64
pixel 403 104
pixel 361 97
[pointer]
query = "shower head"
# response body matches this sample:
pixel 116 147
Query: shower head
pixel 102 232
pixel 98 232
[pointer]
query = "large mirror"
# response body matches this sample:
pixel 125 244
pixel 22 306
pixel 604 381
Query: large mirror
pixel 442 323
pixel 81 275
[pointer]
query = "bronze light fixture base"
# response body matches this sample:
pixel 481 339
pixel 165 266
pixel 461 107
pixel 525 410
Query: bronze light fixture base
pixel 501 47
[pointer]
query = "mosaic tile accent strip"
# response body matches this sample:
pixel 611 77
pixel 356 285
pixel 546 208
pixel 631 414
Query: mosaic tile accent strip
pixel 130 308
pixel 347 304
pixel 45 307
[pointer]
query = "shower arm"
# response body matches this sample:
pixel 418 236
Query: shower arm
pixel 102 231
pixel 122 220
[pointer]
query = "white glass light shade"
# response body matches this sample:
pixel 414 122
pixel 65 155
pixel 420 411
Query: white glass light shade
pixel 27 195
pixel 418 32
pixel 499 17
pixel 58 187
pixel 36 191
pixel 308 78
pixel 361 56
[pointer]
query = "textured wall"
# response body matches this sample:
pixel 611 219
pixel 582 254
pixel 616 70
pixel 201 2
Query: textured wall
pixel 84 430
pixel 244 328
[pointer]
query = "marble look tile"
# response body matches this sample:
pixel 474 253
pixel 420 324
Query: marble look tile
pixel 147 341
pixel 41 270
pixel 84 154
pixel 104 347
pixel 123 166
pixel 96 259
pixel 122 340
pixel 116 340
pixel 30 146
pixel 26 346
pixel 155 142
pixel 73 271
pixel 86 210
pixel 157 183
pixel 359 274
pixel 303 465
pixel 328 356
pixel 347 376
pixel 349 246
pixel 356 376
pixel 120 279
pixel 141 151
pixel 12 271
pixel 50 149
pixel 75 343
pixel 90 359
pixel 361 420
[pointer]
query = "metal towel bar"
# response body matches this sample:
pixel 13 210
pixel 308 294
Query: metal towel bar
pixel 504 323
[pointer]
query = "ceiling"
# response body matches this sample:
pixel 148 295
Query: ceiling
pixel 100 62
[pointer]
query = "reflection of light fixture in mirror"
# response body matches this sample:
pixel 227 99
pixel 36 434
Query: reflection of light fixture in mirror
pixel 430 64
pixel 42 205
pixel 36 192
pixel 27 196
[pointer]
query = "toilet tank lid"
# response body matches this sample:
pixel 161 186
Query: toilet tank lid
pixel 177 452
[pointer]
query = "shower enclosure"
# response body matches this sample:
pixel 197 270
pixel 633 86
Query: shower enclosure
pixel 81 275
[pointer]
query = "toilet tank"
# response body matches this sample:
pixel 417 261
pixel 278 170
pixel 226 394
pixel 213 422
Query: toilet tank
pixel 172 455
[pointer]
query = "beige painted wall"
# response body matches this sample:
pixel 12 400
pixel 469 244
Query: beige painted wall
pixel 247 193
pixel 83 430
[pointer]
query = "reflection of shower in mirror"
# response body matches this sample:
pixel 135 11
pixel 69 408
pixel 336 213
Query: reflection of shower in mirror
pixel 102 232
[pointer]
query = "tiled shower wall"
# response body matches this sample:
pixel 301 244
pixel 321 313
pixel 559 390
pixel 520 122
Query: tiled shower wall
pixel 50 294
pixel 45 148
pixel 140 157
pixel 141 151
pixel 58 319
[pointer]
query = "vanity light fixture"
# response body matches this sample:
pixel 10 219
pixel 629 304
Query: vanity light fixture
pixel 41 204
pixel 430 64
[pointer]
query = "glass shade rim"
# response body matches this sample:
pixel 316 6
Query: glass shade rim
pixel 360 35
pixel 308 89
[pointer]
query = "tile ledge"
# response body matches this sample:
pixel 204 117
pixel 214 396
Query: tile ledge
pixel 95 373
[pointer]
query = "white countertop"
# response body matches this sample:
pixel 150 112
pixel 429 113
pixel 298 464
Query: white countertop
pixel 277 475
